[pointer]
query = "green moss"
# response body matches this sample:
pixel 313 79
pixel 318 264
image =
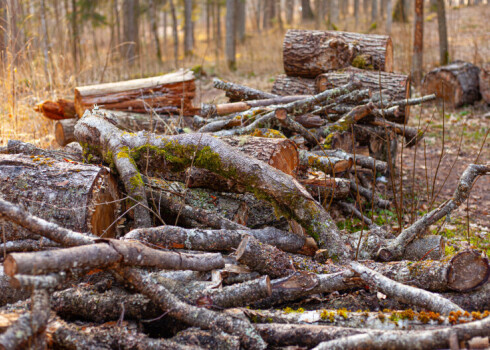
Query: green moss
pixel 136 181
pixel 124 153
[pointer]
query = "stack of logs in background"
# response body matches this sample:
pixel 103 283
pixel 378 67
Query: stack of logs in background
pixel 165 225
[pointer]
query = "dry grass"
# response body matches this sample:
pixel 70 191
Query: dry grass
pixel 259 61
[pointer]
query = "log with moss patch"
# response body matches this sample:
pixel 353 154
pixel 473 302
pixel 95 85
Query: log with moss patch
pixel 169 93
pixel 308 53
pixel 158 154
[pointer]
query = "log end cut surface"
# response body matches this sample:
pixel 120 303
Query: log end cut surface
pixel 468 270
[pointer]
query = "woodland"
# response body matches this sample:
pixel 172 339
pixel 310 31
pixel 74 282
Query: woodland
pixel 244 174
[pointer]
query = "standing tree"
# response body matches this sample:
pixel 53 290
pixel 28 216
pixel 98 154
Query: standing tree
pixel 389 16
pixel 230 45
pixel 289 11
pixel 333 14
pixel 356 12
pixel 154 28
pixel 443 43
pixel 188 37
pixel 130 30
pixel 400 13
pixel 74 32
pixel 175 33
pixel 374 11
pixel 306 11
pixel 418 43
pixel 240 20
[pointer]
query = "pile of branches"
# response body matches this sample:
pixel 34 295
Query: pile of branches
pixel 200 239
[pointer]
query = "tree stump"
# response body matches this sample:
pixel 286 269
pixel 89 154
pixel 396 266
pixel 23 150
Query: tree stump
pixel 457 83
pixel 308 53
pixel 77 196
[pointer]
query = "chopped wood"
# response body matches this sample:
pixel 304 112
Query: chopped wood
pixel 457 83
pixel 236 92
pixel 221 240
pixel 57 110
pixel 290 124
pixel 28 245
pixel 77 196
pixel 406 294
pixel 263 258
pixel 285 85
pixel 360 160
pixel 169 93
pixel 308 53
pixel 27 149
pixel 328 164
pixel 309 120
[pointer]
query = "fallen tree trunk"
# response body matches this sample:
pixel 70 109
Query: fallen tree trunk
pixel 204 151
pixel 456 83
pixel 308 53
pixel 285 85
pixel 236 92
pixel 170 93
pixel 77 196
pixel 57 110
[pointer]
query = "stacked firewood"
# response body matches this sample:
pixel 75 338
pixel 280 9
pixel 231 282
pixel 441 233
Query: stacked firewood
pixel 145 234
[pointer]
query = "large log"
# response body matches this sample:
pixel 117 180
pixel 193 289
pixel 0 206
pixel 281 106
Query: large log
pixel 285 85
pixel 77 196
pixel 170 93
pixel 456 83
pixel 485 82
pixel 308 53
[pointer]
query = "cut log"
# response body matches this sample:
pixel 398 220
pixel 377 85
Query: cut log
pixel 263 258
pixel 57 110
pixel 308 53
pixel 170 93
pixel 77 196
pixel 485 82
pixel 457 83
pixel 285 85
pixel 131 122
pixel 236 92
pixel 328 164
pixel 394 86
pixel 362 161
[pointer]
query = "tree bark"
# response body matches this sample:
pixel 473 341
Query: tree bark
pixel 285 85
pixel 241 20
pixel 170 93
pixel 188 28
pixel 310 53
pixel 231 34
pixel 485 82
pixel 442 27
pixel 457 83
pixel 418 44
pixel 130 30
pixel 77 196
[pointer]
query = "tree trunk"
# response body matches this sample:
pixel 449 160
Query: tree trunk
pixel 74 26
pixel 130 30
pixel 334 14
pixel 68 193
pixel 389 16
pixel 188 37
pixel 356 11
pixel 374 11
pixel 241 20
pixel 231 34
pixel 302 49
pixel 290 4
pixel 457 83
pixel 306 11
pixel 154 28
pixel 175 32
pixel 170 93
pixel 441 23
pixel 399 13
pixel 418 44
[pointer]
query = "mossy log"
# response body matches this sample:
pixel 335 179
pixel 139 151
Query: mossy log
pixel 129 153
pixel 308 53
pixel 285 85
pixel 170 93
pixel 77 196
pixel 457 83
pixel 57 110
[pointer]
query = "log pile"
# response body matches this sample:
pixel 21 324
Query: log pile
pixel 145 235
